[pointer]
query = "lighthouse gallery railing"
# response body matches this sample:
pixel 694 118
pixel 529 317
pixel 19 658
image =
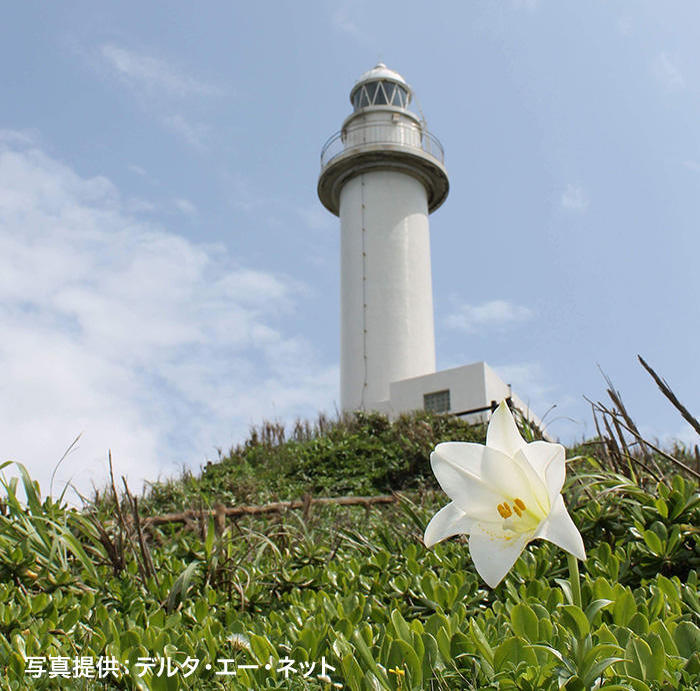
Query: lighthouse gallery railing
pixel 397 134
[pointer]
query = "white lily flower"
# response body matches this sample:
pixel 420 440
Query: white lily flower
pixel 504 495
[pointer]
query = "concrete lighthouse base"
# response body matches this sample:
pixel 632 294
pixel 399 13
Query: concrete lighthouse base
pixel 471 392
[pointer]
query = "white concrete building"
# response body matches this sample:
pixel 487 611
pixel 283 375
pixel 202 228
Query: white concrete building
pixel 383 173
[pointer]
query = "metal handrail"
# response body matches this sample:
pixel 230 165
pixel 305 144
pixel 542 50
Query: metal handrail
pixel 397 134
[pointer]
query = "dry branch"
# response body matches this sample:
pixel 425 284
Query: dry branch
pixel 666 391
pixel 274 507
pixel 614 415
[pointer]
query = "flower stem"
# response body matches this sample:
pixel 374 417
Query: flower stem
pixel 574 579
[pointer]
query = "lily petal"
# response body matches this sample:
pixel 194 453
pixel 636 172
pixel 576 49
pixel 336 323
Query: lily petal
pixel 548 461
pixel 535 480
pixel 494 557
pixel 560 529
pixel 448 521
pixel 466 454
pixel 509 479
pixel 502 433
pixel 454 466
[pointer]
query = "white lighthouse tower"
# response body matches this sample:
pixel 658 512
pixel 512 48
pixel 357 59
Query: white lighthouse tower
pixel 383 174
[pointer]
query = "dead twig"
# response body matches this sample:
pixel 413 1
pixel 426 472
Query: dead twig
pixel 274 507
pixel 666 391
pixel 614 415
pixel 147 569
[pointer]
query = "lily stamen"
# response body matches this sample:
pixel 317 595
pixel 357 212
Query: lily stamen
pixel 504 510
pixel 519 507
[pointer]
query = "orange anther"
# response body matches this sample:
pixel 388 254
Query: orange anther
pixel 520 504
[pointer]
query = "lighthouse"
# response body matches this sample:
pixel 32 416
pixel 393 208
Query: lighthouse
pixel 383 173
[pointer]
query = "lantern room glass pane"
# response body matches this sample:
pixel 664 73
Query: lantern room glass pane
pixel 371 91
pixel 364 101
pixel 380 97
pixel 401 97
pixel 380 93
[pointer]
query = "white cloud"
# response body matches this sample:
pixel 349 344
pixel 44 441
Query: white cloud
pixel 341 19
pixel 195 135
pixel 315 217
pixel 529 5
pixel 667 72
pixel 151 345
pixel 137 205
pixel 145 71
pixel 531 382
pixel 492 314
pixel 574 198
pixel 17 137
pixel 528 380
pixel 157 85
pixel 185 206
pixel 625 26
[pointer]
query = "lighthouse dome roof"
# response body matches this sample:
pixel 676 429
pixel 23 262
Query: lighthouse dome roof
pixel 381 71
pixel 380 86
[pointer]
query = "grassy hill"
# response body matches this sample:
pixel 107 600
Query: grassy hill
pixel 331 595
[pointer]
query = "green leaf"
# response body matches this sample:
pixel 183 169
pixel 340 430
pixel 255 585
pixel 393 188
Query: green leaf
pixel 555 653
pixel 566 589
pixel 69 620
pixel 661 507
pixel 692 667
pixel 181 586
pixel 574 684
pixel 352 672
pixel 657 661
pixel 431 655
pixel 366 655
pixel 261 648
pixel 31 489
pixel 668 587
pixel 638 655
pixel 624 609
pixel 639 624
pixel 598 668
pixel 600 650
pixel 444 644
pixel 402 655
pixel 595 607
pixel 653 542
pixel 575 619
pixel 372 683
pixel 513 651
pixel 658 627
pixel 524 622
pixel 209 540
pixel 402 629
pixel 480 641
pixel 687 638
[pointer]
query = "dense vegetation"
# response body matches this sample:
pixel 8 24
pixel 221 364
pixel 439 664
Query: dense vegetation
pixel 351 587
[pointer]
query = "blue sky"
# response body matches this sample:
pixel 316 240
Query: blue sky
pixel 168 276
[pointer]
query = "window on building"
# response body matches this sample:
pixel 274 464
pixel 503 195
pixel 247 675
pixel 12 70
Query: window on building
pixel 437 402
